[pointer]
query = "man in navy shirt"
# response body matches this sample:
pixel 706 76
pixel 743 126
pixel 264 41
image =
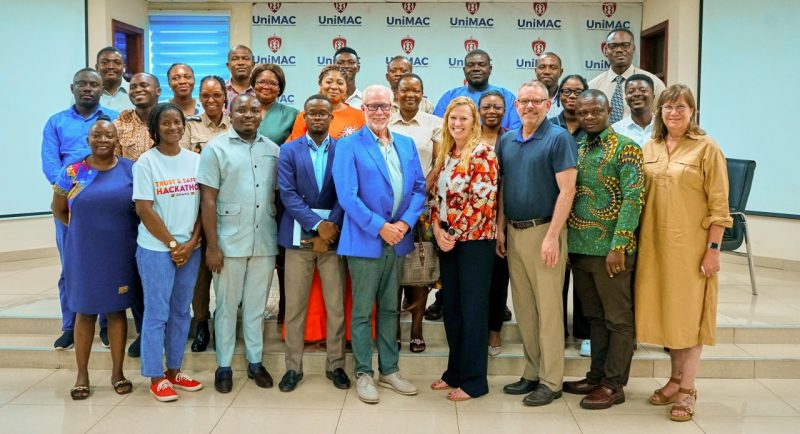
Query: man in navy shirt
pixel 539 159
pixel 63 142
pixel 477 69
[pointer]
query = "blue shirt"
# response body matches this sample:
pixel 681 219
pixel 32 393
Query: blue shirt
pixel 395 171
pixel 319 158
pixel 530 166
pixel 64 139
pixel 510 119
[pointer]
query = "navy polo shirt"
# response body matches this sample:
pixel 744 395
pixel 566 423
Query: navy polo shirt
pixel 528 168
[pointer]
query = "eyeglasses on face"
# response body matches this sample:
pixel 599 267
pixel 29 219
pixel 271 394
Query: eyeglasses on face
pixel 680 108
pixel 376 107
pixel 533 102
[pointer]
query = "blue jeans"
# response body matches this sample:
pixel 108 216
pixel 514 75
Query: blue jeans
pixel 168 297
pixel 375 281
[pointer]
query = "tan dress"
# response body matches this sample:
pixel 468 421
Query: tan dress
pixel 685 193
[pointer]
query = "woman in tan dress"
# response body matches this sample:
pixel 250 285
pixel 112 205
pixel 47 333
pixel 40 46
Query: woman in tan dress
pixel 685 213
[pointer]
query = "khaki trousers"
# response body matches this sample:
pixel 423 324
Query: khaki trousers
pixel 536 293
pixel 299 268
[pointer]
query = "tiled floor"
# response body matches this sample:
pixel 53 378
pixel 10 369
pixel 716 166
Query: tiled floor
pixel 37 400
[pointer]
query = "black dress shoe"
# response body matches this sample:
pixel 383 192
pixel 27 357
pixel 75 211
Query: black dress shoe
pixel 520 387
pixel 507 315
pixel 339 378
pixel 580 387
pixel 65 341
pixel 201 337
pixel 135 350
pixel 289 381
pixel 261 377
pixel 223 380
pixel 541 396
pixel 434 311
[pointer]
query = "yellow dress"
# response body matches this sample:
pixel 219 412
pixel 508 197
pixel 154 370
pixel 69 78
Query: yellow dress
pixel 685 193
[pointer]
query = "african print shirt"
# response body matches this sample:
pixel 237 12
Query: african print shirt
pixel 609 195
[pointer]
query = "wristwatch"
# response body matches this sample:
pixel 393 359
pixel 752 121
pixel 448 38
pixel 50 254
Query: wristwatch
pixel 172 244
pixel 714 246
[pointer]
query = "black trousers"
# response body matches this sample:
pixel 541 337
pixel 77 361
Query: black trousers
pixel 580 324
pixel 498 294
pixel 466 273
pixel 608 304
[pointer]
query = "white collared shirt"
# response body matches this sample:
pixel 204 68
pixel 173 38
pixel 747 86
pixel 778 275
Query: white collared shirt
pixel 628 128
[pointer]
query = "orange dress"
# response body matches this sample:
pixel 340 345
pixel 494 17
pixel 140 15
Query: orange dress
pixel 345 122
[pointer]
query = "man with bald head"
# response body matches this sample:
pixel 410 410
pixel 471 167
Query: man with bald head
pixel 238 178
pixel 381 189
pixel 64 142
pixel 602 248
pixel 548 72
pixel 134 137
pixel 397 67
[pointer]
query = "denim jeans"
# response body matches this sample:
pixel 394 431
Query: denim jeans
pixel 375 281
pixel 168 297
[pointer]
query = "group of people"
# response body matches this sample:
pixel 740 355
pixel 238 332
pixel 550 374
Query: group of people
pixel 611 179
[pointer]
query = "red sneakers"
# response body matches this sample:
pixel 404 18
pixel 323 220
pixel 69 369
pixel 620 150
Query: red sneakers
pixel 184 382
pixel 163 391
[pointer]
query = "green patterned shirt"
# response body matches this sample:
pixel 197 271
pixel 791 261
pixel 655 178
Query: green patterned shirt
pixel 609 195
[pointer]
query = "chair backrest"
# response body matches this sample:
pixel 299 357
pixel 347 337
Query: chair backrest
pixel 740 179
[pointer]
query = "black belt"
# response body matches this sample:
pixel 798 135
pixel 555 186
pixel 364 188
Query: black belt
pixel 525 224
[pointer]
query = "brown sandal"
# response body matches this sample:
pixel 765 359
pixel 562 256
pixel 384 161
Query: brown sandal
pixel 685 405
pixel 79 393
pixel 659 398
pixel 122 387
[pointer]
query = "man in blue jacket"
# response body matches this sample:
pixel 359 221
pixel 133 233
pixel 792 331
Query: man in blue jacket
pixel 308 230
pixel 381 188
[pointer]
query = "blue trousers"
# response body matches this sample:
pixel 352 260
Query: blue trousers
pixel 67 315
pixel 466 273
pixel 168 296
pixel 375 281
pixel 244 281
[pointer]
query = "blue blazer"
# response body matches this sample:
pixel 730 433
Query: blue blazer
pixel 298 189
pixel 365 194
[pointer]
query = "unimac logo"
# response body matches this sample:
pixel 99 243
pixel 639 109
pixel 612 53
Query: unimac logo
pixel 339 20
pixel 274 20
pixel 402 21
pixel 524 23
pixel 596 65
pixel 421 62
pixel 472 22
pixel 607 24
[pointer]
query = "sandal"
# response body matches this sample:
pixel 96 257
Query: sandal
pixel 440 385
pixel 659 398
pixel 122 387
pixel 685 405
pixel 79 393
pixel 417 345
pixel 458 395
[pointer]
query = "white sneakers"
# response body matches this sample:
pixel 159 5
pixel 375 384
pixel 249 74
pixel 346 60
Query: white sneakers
pixel 397 383
pixel 365 386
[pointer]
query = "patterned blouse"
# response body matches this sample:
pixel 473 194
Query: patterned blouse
pixel 73 179
pixel 134 138
pixel 609 196
pixel 471 197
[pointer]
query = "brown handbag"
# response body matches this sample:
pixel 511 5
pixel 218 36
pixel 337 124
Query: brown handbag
pixel 421 266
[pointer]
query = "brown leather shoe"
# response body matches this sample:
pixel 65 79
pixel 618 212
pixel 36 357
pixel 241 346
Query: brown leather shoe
pixel 603 397
pixel 580 387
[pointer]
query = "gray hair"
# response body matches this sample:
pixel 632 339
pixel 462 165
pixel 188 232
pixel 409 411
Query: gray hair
pixel 377 88
pixel 534 84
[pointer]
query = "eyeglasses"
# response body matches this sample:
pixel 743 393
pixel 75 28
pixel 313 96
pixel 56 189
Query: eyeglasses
pixel 534 102
pixel 318 115
pixel 496 107
pixel 680 108
pixel 376 107
pixel 568 92
pixel 624 45
pixel 267 83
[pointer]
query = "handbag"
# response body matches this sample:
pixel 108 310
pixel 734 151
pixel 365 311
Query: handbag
pixel 421 266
